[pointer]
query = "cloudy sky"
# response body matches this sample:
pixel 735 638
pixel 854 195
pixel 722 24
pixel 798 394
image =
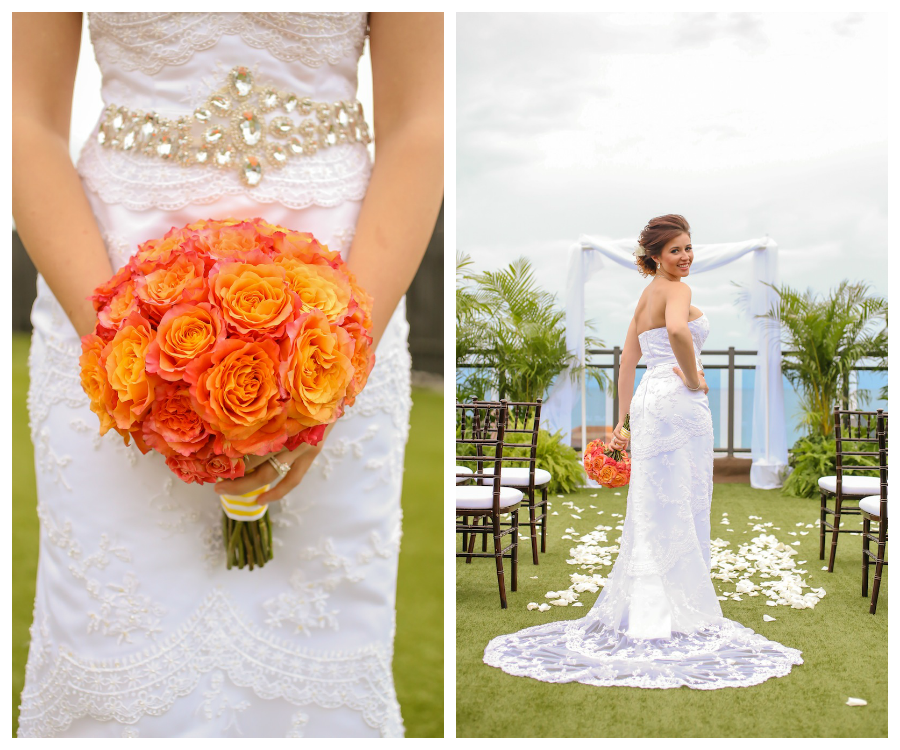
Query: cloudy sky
pixel 746 124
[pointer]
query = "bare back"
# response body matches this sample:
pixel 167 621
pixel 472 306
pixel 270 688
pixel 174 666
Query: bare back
pixel 650 312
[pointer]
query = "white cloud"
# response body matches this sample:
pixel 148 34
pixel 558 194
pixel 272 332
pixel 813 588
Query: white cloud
pixel 745 123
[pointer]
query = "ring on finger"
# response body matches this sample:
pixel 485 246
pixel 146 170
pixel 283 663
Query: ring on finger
pixel 279 466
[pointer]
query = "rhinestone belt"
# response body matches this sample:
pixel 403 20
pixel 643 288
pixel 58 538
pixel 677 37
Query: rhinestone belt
pixel 229 130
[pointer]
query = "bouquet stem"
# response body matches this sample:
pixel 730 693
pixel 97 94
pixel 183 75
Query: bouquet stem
pixel 247 543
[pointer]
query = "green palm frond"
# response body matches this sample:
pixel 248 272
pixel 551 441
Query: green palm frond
pixel 827 337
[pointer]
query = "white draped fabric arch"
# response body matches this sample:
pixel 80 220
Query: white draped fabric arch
pixel 769 440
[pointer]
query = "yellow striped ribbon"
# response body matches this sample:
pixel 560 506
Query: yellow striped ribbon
pixel 244 507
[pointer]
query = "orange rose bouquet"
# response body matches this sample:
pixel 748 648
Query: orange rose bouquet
pixel 609 467
pixel 226 339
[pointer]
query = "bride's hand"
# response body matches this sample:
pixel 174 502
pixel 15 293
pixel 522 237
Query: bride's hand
pixel 618 441
pixel 703 386
pixel 260 472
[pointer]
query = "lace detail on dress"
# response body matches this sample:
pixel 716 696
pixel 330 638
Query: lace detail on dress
pixel 149 41
pixel 330 177
pixel 216 637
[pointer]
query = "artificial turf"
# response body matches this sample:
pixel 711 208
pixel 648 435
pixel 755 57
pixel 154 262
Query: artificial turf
pixel 418 656
pixel 844 647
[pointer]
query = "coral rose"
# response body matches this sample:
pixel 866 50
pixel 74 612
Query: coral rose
pixel 184 333
pixel 255 300
pixel 606 474
pixel 597 463
pixel 182 281
pixel 317 369
pixel 363 359
pixel 95 382
pixel 172 426
pixel 305 248
pixel 235 387
pixel 237 241
pixel 124 359
pixel 155 253
pixel 121 305
pixel 106 291
pixel 205 466
pixel 320 287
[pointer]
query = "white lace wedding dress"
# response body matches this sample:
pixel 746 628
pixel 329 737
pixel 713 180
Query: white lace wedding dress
pixel 657 622
pixel 139 628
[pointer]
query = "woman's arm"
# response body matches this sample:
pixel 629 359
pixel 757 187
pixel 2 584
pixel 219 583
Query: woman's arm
pixel 52 213
pixel 678 308
pixel 631 355
pixel 407 184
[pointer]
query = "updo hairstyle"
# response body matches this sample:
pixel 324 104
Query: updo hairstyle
pixel 654 237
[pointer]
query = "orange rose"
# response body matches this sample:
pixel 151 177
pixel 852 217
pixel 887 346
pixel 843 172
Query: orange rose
pixel 619 479
pixel 235 387
pixel 106 291
pixel 123 303
pixel 605 475
pixel 181 281
pixel 304 247
pixel 363 300
pixel 317 370
pixel 318 287
pixel 363 359
pixel 184 333
pixel 154 253
pixel 124 358
pixel 172 426
pixel 255 300
pixel 95 382
pixel 597 463
pixel 238 240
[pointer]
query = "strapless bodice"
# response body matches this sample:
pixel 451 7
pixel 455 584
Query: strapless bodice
pixel 657 350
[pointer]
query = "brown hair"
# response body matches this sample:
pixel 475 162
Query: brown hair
pixel 654 237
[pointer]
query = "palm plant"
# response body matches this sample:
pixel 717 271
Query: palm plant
pixel 827 338
pixel 519 331
pixel 471 341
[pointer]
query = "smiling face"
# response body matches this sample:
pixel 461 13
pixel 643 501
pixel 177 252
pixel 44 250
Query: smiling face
pixel 676 257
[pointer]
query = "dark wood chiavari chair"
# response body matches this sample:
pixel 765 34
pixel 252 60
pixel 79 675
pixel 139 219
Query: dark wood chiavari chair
pixel 486 502
pixel 875 508
pixel 524 417
pixel 860 427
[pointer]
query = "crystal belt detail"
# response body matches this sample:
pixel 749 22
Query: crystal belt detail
pixel 230 131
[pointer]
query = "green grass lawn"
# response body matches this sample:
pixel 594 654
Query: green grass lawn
pixel 418 657
pixel 844 647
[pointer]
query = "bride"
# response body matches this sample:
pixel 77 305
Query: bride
pixel 657 623
pixel 139 628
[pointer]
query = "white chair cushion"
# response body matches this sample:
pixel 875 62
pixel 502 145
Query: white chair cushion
pixel 482 498
pixel 518 477
pixel 462 470
pixel 871 505
pixel 851 485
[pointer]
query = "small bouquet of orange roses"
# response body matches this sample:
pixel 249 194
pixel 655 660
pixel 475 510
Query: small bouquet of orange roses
pixel 609 467
pixel 225 339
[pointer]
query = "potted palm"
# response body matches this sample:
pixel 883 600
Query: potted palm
pixel 825 338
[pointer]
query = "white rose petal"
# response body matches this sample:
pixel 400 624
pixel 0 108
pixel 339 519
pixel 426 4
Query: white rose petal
pixel 856 702
pixel 543 607
pixel 767 618
pixel 577 604
pixel 532 605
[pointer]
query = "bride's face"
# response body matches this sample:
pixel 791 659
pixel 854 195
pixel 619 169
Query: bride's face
pixel 677 256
